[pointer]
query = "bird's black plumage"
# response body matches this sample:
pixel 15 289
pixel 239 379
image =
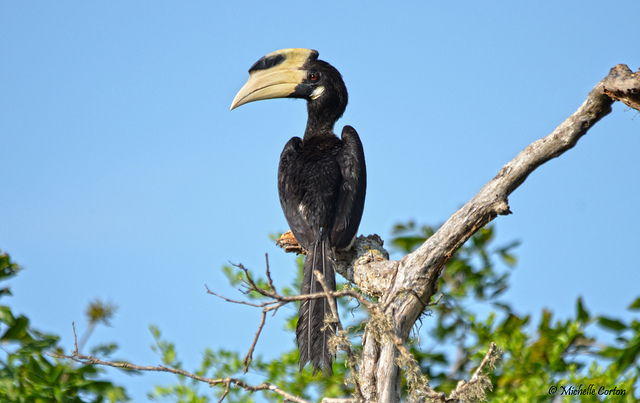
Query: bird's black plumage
pixel 321 183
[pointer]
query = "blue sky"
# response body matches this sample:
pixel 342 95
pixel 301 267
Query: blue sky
pixel 125 176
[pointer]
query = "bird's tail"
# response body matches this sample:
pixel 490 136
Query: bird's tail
pixel 312 333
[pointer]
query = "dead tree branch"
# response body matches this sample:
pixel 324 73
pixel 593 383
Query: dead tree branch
pixel 420 270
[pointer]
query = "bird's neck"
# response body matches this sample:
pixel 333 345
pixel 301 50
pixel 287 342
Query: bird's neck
pixel 320 123
pixel 318 130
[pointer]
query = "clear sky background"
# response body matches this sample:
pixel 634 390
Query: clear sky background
pixel 125 177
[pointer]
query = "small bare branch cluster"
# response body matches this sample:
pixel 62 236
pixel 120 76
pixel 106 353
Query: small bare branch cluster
pixel 275 301
pixel 381 327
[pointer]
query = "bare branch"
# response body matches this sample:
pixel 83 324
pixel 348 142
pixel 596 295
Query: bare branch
pixel 623 85
pixel 89 360
pixel 271 287
pixel 420 270
pixel 249 357
pixel 236 301
pixel 436 301
pixel 489 359
pixel 475 389
pixel 226 392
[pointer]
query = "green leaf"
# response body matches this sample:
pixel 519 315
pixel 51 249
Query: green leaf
pixel 5 291
pixel 629 355
pixel 17 331
pixel 508 259
pixel 581 312
pixel 6 316
pixel 635 306
pixel 8 269
pixel 612 324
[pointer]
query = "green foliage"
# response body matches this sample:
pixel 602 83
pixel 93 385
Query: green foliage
pixel 28 374
pixel 453 336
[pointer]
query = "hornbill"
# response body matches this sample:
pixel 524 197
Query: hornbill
pixel 321 181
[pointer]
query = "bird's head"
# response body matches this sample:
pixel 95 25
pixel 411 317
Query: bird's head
pixel 296 73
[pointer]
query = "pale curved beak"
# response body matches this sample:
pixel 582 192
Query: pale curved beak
pixel 268 84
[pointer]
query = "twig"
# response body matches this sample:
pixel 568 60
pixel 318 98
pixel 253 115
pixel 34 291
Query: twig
pixel 235 301
pixel 75 336
pixel 485 361
pixel 436 301
pixel 468 388
pixel 249 357
pixel 226 392
pixel 271 287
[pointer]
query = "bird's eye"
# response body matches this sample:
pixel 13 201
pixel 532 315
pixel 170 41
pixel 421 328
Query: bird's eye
pixel 313 76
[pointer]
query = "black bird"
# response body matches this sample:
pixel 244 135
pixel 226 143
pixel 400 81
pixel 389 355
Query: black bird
pixel 321 181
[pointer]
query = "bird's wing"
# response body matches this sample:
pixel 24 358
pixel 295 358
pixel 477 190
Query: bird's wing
pixel 352 192
pixel 290 194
